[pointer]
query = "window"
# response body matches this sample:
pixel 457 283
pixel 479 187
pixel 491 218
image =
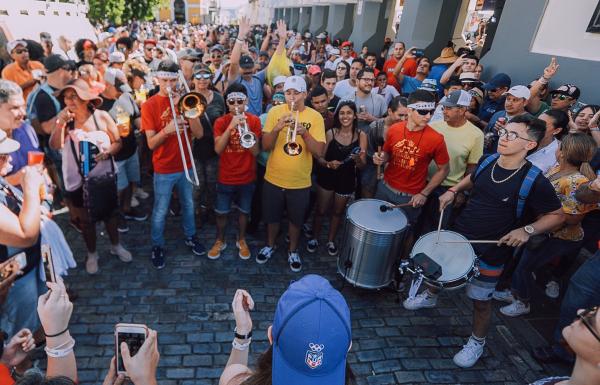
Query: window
pixel 594 25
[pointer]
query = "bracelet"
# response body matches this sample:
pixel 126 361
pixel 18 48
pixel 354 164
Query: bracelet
pixel 239 346
pixel 425 195
pixel 59 353
pixel 595 129
pixel 239 41
pixel 58 334
pixel 452 191
pixel 543 80
pixel 241 336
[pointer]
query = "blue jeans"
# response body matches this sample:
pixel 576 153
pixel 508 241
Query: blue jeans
pixel 163 187
pixel 20 309
pixel 583 292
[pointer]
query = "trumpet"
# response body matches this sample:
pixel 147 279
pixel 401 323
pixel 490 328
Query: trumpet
pixel 191 105
pixel 247 137
pixel 291 147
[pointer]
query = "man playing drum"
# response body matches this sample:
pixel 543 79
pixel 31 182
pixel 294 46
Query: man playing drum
pixel 493 212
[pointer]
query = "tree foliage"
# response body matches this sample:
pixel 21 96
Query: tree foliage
pixel 121 11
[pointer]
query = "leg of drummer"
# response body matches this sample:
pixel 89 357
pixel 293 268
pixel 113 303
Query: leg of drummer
pixel 323 202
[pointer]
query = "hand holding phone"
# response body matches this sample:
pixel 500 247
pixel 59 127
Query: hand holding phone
pixel 48 263
pixel 137 352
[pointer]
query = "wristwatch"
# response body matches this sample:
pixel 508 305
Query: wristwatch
pixel 529 229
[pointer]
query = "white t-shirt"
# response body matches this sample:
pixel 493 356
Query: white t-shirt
pixel 545 158
pixel 343 88
pixel 388 93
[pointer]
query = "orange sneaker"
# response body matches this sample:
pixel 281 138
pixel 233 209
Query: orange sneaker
pixel 244 249
pixel 215 251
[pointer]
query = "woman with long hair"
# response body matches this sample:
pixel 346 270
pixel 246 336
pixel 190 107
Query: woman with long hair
pixel 574 154
pixel 582 118
pixel 78 122
pixel 345 151
pixel 309 339
pixel 342 71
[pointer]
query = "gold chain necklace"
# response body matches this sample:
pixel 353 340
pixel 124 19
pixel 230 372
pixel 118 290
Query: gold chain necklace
pixel 508 177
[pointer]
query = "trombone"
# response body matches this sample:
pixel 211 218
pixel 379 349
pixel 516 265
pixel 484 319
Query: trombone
pixel 291 147
pixel 191 105
pixel 247 138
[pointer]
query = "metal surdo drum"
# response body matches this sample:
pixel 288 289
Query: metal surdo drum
pixel 453 253
pixel 372 242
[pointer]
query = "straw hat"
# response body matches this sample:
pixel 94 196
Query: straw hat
pixel 83 91
pixel 7 145
pixel 446 57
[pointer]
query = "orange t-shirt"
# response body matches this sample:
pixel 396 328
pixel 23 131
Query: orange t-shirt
pixel 15 73
pixel 409 68
pixel 5 378
pixel 237 165
pixel 410 154
pixel 166 158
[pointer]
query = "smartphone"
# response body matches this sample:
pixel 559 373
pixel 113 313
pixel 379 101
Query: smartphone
pixel 134 336
pixel 418 52
pixel 21 260
pixel 48 263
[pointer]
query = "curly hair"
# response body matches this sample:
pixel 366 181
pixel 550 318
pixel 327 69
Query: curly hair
pixel 134 67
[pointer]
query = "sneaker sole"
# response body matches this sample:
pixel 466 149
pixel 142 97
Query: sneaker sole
pixel 261 262
pixel 501 299
pixel 419 307
pixel 218 255
pixel 311 251
pixel 465 366
pixel 296 270
pixel 137 219
pixel 123 230
pixel 240 253
pixel 202 253
pixel 159 267
pixel 514 315
pixel 117 255
pixel 332 254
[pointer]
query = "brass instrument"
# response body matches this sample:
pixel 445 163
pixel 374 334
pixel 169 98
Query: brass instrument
pixel 191 105
pixel 247 137
pixel 291 147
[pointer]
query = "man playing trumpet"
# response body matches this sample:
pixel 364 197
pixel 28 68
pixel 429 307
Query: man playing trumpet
pixel 167 159
pixel 236 141
pixel 293 137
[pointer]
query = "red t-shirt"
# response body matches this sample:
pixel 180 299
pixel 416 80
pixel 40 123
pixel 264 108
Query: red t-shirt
pixel 409 68
pixel 237 165
pixel 411 152
pixel 166 158
pixel 5 378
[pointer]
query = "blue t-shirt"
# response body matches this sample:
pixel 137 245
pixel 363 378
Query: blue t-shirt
pixel 26 136
pixel 254 87
pixel 490 107
pixel 410 85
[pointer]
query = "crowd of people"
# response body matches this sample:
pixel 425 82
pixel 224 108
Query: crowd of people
pixel 283 124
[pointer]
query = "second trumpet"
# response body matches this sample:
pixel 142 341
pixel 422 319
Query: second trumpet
pixel 247 137
pixel 291 147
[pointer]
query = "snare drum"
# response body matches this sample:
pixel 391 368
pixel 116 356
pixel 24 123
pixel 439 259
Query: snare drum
pixel 456 259
pixel 371 244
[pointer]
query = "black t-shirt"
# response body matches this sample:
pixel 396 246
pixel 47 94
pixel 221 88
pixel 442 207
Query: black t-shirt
pixel 491 211
pixel 204 148
pixel 333 103
pixel 44 106
pixel 128 143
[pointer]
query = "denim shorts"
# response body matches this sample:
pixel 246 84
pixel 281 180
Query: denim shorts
pixel 129 171
pixel 386 193
pixel 241 193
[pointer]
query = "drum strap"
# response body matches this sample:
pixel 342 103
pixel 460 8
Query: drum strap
pixel 414 286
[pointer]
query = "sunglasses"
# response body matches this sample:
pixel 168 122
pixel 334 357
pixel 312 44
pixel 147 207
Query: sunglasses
pixel 202 76
pixel 150 49
pixel 425 112
pixel 216 56
pixel 561 97
pixel 587 318
pixel 236 101
pixel 20 51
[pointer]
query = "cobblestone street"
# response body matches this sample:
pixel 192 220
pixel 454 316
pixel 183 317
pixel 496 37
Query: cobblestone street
pixel 188 302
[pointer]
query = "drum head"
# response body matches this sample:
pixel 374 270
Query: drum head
pixel 456 259
pixel 366 214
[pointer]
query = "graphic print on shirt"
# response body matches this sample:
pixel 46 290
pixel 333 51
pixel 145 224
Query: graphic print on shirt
pixel 406 153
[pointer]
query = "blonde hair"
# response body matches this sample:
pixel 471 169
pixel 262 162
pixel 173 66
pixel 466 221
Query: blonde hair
pixel 578 149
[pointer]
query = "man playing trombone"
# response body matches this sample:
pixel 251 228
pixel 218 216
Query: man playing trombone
pixel 237 142
pixel 294 134
pixel 167 133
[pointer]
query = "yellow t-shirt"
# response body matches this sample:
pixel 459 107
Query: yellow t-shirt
pixel 465 146
pixel 283 170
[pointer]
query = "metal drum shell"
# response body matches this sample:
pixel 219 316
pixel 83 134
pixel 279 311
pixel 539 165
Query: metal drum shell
pixel 370 252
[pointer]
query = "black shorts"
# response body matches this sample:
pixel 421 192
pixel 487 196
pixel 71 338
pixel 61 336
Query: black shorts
pixel 276 199
pixel 341 181
pixel 75 197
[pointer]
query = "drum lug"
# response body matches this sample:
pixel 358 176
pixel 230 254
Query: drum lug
pixel 476 271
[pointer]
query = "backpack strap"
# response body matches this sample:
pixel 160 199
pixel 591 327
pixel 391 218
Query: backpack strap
pixel 526 185
pixel 485 163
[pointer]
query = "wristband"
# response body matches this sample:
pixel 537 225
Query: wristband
pixel 595 129
pixel 543 80
pixel 58 334
pixel 239 346
pixel 239 41
pixel 452 191
pixel 61 351
pixel 240 336
pixel 425 195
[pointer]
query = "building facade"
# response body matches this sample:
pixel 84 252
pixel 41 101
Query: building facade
pixel 189 11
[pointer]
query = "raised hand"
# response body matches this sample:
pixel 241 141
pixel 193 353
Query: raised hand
pixel 241 305
pixel 141 368
pixel 550 71
pixel 281 30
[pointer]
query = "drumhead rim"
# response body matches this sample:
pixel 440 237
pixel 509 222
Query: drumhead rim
pixel 363 227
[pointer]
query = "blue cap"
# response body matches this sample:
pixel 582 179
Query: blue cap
pixel 499 80
pixel 311 334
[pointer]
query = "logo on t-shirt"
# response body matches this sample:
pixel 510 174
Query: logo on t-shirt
pixel 406 154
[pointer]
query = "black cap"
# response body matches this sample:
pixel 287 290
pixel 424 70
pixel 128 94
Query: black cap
pixel 168 65
pixel 246 62
pixel 568 90
pixel 54 62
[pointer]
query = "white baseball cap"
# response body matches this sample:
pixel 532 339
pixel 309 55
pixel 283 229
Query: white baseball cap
pixel 519 92
pixel 294 83
pixel 278 80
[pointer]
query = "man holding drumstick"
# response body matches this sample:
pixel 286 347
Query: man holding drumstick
pixel 492 212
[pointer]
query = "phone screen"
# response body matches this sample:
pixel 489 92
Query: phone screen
pixel 48 264
pixel 134 341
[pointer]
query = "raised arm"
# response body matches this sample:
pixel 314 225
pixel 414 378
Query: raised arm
pixel 398 69
pixel 236 53
pixel 534 103
pixel 452 69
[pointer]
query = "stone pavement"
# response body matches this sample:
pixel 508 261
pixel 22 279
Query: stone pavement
pixel 188 302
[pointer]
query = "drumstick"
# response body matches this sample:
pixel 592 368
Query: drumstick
pixel 473 241
pixel 379 165
pixel 384 208
pixel 440 225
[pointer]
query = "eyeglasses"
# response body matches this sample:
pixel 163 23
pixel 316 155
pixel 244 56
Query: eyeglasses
pixel 71 97
pixel 587 317
pixel 369 80
pixel 425 112
pixel 20 51
pixel 236 101
pixel 511 135
pixel 150 49
pixel 202 76
pixel 216 56
pixel 561 97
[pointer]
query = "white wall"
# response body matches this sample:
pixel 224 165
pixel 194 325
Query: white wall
pixel 561 31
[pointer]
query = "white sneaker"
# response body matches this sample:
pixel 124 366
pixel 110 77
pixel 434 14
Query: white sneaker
pixel 294 261
pixel 469 354
pixel 119 251
pixel 503 296
pixel 515 309
pixel 423 300
pixel 91 264
pixel 134 202
pixel 552 289
pixel 140 193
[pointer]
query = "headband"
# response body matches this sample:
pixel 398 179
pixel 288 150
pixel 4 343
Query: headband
pixel 236 95
pixel 422 106
pixel 166 75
